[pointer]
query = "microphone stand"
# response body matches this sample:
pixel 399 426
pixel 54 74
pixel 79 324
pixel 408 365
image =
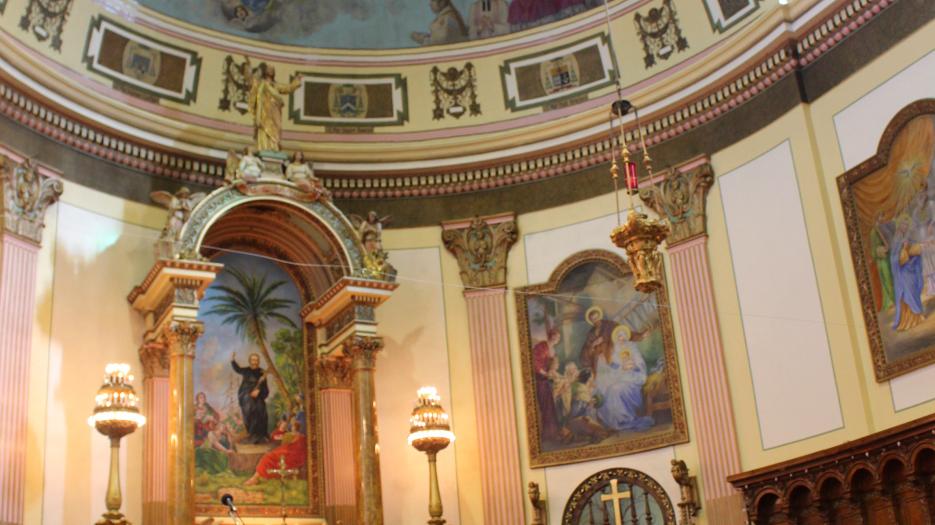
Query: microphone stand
pixel 234 515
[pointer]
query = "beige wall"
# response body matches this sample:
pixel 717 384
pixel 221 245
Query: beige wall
pixel 97 247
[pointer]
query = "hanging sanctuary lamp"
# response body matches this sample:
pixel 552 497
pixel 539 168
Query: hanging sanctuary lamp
pixel 640 236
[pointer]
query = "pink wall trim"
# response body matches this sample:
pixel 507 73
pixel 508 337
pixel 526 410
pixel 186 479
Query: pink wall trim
pixel 501 485
pixel 17 311
pixel 704 362
pixel 338 447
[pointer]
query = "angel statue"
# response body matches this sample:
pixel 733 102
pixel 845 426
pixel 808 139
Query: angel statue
pixel 372 223
pixel 180 208
pixel 265 103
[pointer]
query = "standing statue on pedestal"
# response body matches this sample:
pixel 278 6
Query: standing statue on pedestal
pixel 265 102
pixel 180 206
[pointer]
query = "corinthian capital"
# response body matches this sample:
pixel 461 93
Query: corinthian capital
pixel 680 199
pixel 182 336
pixel 481 246
pixel 363 350
pixel 26 196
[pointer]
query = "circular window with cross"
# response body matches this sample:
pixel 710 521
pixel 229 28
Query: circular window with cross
pixel 619 496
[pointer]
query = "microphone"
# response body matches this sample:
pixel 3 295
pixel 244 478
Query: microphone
pixel 228 500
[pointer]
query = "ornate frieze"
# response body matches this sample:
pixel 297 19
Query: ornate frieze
pixel 454 91
pixel 680 199
pixel 46 19
pixel 481 247
pixel 26 196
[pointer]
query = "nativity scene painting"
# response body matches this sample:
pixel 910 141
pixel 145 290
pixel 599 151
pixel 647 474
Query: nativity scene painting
pixel 889 204
pixel 250 413
pixel 599 364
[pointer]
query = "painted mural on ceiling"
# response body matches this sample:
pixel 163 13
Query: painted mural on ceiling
pixel 369 24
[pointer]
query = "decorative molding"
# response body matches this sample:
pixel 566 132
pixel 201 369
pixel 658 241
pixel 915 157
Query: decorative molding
pixel 181 336
pixel 349 100
pixel 724 14
pixel 681 199
pixel 579 504
pixel 362 351
pixel 236 89
pixel 481 248
pixel 45 19
pixel 27 194
pixel 554 75
pixel 154 68
pixel 819 38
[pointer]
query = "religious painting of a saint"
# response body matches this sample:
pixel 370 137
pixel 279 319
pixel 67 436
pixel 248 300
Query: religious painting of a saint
pixel 250 414
pixel 889 209
pixel 600 371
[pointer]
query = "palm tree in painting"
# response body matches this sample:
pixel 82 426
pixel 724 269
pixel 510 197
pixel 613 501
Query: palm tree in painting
pixel 249 309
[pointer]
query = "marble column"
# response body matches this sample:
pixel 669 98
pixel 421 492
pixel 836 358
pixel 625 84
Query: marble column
pixel 680 198
pixel 155 359
pixel 181 337
pixel 483 273
pixel 338 446
pixel 168 298
pixel 363 353
pixel 27 195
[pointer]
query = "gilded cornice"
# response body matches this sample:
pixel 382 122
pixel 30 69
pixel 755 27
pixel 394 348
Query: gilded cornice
pixel 782 34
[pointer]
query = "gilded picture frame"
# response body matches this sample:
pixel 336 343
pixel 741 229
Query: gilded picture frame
pixel 897 345
pixel 607 401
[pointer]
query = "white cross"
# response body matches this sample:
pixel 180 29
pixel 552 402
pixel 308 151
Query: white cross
pixel 616 498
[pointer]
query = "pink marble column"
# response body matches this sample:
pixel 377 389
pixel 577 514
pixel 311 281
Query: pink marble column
pixel 28 192
pixel 17 311
pixel 680 197
pixel 704 362
pixel 496 414
pixel 337 416
pixel 154 357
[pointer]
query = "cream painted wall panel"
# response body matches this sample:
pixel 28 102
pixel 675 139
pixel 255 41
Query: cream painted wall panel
pixel 97 261
pixel 412 323
pixel 544 251
pixel 787 344
pixel 859 127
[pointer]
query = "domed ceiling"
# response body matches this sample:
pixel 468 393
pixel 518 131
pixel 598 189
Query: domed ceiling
pixel 369 24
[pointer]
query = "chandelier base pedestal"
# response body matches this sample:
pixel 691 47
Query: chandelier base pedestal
pixel 640 236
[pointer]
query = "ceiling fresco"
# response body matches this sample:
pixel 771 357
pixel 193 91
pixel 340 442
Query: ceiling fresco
pixel 369 24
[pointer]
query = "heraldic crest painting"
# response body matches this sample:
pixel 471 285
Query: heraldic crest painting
pixel 889 210
pixel 600 372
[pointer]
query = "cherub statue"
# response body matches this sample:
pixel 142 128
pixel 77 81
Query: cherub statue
pixel 232 168
pixel 538 505
pixel 301 173
pixel 180 208
pixel 250 167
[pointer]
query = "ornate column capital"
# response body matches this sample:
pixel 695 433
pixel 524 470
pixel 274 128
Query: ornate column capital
pixel 27 194
pixel 363 351
pixel 181 336
pixel 334 371
pixel 481 246
pixel 154 356
pixel 681 199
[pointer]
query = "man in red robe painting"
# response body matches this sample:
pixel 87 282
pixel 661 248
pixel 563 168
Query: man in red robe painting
pixel 292 449
pixel 544 361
